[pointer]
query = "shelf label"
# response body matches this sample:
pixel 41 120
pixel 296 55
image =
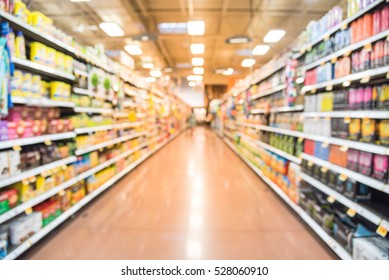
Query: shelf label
pixel 347 53
pixel 48 142
pixel 331 199
pixel 28 211
pixel 32 179
pixel 17 148
pixel 365 80
pixel 61 193
pixel 25 182
pixel 334 60
pixel 324 169
pixel 381 230
pixel 344 26
pixel 310 163
pixel 368 47
pixel 351 212
pixel 64 167
pixel 309 48
pixel 387 75
pixel 313 90
pixel 347 120
pixel 342 177
pixel 300 139
pixel 344 148
pixel 325 145
pixel 326 37
pixel 329 88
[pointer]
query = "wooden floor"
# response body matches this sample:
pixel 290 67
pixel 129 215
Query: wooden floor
pixel 194 199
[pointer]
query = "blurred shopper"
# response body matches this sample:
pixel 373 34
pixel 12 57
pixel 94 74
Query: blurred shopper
pixel 191 122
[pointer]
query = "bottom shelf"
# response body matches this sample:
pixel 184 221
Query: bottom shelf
pixel 332 243
pixel 67 214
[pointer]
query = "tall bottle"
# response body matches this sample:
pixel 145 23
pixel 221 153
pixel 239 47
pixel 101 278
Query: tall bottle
pixel 20 46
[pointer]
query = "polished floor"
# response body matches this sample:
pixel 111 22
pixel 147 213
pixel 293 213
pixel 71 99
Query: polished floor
pixel 194 199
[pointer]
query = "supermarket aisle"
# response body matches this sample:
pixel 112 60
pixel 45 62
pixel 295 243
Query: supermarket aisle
pixel 194 199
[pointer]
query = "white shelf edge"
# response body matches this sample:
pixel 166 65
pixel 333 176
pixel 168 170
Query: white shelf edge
pixel 268 92
pixel 273 149
pixel 269 73
pixel 127 125
pixel 80 72
pixel 41 102
pixel 33 172
pixel 82 91
pixel 84 130
pixel 375 219
pixel 108 143
pixel 339 26
pixel 67 214
pixel 349 78
pixel 349 173
pixel 35 140
pixel 259 111
pixel 287 109
pixel 345 50
pixel 351 114
pixel 42 68
pixel 93 110
pixel 332 243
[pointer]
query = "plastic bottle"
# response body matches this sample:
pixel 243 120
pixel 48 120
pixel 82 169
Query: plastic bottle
pixel 20 46
pixel 7 33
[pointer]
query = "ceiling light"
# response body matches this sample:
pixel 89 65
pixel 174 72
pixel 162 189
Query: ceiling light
pixel 112 29
pixel 150 79
pixel 195 78
pixel 248 62
pixel 148 65
pixel 198 61
pixel 238 39
pixel 228 72
pixel 144 37
pixel 168 70
pixel 184 65
pixel 133 49
pixel 155 73
pixel 260 49
pixel 196 28
pixel 192 84
pixel 172 27
pixel 274 36
pixel 198 70
pixel 197 48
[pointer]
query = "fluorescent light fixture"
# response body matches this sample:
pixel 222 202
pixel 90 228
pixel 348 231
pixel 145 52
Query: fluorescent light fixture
pixel 184 65
pixel 133 49
pixel 150 79
pixel 172 27
pixel 238 39
pixel 195 78
pixel 228 72
pixel 148 65
pixel 192 84
pixel 274 36
pixel 155 73
pixel 168 70
pixel 111 29
pixel 260 49
pixel 198 61
pixel 197 48
pixel 248 62
pixel 196 28
pixel 198 70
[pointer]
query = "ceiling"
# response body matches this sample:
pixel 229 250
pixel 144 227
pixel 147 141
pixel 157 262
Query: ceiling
pixel 223 18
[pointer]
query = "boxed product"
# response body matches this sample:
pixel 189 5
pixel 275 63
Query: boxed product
pixel 356 191
pixel 365 163
pixel 372 248
pixel 14 162
pixel 8 200
pixel 21 228
pixel 3 131
pixel 380 167
pixel 4 167
pixel 338 156
pixel 38 52
pixel 353 159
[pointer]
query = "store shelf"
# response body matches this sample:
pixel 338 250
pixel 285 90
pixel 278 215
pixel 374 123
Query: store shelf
pixel 67 214
pixel 346 50
pixel 364 212
pixel 259 111
pixel 41 102
pixel 349 78
pixel 330 140
pixel 108 143
pixel 331 242
pixel 270 72
pixel 120 114
pixel 348 114
pixel 268 92
pixel 129 104
pixel 36 171
pixel 85 130
pixel 127 125
pixel 41 69
pixel 78 72
pixel 35 140
pixel 343 24
pixel 287 109
pixel 272 149
pixel 82 91
pixel 232 136
pixel 91 110
pixel 233 127
pixel 349 173
pixel 36 34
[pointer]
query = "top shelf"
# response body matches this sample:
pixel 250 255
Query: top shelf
pixel 340 26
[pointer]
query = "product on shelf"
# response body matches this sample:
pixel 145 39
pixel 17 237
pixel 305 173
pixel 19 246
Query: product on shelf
pixel 373 248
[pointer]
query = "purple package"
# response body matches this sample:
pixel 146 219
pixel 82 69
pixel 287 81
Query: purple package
pixel 368 98
pixel 380 169
pixel 3 131
pixel 352 159
pixel 365 163
pixel 360 97
pixel 352 99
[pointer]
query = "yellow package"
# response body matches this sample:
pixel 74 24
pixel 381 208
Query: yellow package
pixel 368 130
pixel 94 159
pixel 36 90
pixel 45 89
pixel 51 57
pixel 68 64
pixel 20 10
pixel 16 83
pixel 60 61
pixel 56 90
pixel 38 52
pixel 355 129
pixel 37 19
pixel 66 91
pixel 27 85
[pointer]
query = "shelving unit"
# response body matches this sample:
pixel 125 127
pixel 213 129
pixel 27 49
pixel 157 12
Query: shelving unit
pixel 325 237
pixel 41 102
pixel 268 92
pixel 36 140
pixel 348 114
pixel 91 110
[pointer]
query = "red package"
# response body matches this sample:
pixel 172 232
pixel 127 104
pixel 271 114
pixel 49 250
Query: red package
pixel 367 26
pixel 377 22
pixel 385 18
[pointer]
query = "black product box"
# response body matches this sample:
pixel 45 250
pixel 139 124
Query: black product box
pixel 357 191
pixel 306 201
pixel 323 215
pixel 332 179
pixel 317 172
pixel 334 128
pixel 343 232
pixel 340 184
